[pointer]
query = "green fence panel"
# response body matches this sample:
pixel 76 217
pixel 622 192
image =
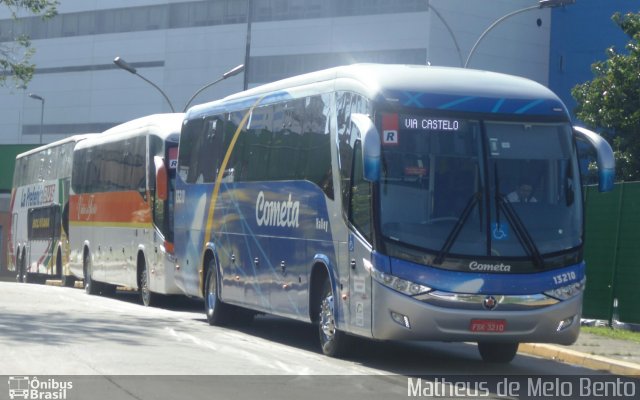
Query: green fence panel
pixel 626 284
pixel 602 216
pixel 612 253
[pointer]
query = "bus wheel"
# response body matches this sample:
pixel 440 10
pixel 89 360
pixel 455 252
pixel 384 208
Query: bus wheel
pixel 334 343
pixel 217 312
pixel 497 352
pixel 68 280
pixel 18 268
pixel 147 297
pixel 90 286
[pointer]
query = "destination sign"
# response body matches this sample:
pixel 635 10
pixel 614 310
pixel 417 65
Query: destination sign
pixel 421 123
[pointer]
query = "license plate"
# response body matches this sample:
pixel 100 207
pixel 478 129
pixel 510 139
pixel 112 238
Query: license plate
pixel 488 325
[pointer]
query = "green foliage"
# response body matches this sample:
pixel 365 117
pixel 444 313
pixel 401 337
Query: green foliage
pixel 15 56
pixel 610 102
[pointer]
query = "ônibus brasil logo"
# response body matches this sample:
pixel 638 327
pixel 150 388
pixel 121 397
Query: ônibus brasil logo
pixel 24 387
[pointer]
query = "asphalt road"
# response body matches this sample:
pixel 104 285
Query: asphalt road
pixel 113 347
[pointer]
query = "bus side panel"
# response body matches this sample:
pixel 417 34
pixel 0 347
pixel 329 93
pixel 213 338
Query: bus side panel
pixel 274 231
pixel 191 208
pixel 112 222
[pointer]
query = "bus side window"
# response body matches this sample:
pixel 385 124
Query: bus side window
pixel 346 104
pixel 360 201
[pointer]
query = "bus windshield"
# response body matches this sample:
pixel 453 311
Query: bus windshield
pixel 471 188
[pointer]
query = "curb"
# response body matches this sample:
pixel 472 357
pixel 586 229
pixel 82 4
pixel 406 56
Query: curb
pixel 585 360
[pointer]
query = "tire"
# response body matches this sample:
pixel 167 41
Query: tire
pixel 497 352
pixel 90 286
pixel 19 269
pixel 334 343
pixel 147 297
pixel 218 313
pixel 68 280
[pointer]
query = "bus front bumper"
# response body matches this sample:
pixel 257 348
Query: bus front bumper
pixel 400 317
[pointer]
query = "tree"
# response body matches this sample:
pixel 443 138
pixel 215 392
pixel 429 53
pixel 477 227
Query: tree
pixel 15 56
pixel 610 103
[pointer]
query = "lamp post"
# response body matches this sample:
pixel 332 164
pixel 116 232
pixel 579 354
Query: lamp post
pixel 446 25
pixel 36 97
pixel 129 68
pixel 541 4
pixel 228 74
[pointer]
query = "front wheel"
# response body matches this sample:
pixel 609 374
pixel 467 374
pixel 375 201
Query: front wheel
pixel 217 312
pixel 497 352
pixel 334 343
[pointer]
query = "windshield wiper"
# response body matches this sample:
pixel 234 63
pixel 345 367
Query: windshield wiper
pixel 453 235
pixel 523 235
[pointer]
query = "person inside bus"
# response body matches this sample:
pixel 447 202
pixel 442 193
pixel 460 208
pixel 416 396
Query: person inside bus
pixel 522 194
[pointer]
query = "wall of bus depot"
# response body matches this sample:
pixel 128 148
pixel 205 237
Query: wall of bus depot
pixel 612 253
pixel 8 155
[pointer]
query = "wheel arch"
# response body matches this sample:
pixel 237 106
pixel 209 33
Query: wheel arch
pixel 320 271
pixel 208 255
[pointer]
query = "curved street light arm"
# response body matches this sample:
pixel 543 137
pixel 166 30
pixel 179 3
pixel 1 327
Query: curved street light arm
pixel 228 74
pixel 493 25
pixel 455 41
pixel 159 90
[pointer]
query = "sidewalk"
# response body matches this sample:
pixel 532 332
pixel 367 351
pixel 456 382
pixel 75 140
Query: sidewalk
pixel 621 357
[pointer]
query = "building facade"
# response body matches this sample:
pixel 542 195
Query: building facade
pixel 182 45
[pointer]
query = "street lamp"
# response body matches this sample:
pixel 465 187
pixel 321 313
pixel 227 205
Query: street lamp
pixel 36 97
pixel 541 4
pixel 129 68
pixel 446 25
pixel 228 74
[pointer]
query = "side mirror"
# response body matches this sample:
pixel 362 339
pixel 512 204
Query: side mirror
pixel 604 157
pixel 161 178
pixel 371 146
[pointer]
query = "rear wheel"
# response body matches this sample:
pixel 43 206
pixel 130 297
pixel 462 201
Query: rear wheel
pixel 334 343
pixel 67 280
pixel 90 286
pixel 19 271
pixel 218 313
pixel 497 352
pixel 147 297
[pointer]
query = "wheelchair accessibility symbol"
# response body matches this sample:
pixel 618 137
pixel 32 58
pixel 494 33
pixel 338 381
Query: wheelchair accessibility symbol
pixel 500 231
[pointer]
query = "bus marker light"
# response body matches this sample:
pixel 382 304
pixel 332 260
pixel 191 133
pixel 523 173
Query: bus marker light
pixel 401 319
pixel 565 323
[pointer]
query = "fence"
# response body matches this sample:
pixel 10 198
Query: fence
pixel 612 253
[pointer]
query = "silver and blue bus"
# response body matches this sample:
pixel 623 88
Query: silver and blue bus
pixel 381 201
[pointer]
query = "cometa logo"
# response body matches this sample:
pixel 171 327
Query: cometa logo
pixel 277 213
pixel 476 266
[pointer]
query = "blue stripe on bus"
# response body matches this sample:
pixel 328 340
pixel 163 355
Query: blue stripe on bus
pixel 531 106
pixel 487 283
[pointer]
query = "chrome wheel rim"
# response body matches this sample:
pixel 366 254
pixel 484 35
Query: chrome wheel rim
pixel 327 320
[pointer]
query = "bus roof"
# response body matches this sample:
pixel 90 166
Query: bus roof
pixel 166 126
pixel 161 124
pixel 418 86
pixel 73 138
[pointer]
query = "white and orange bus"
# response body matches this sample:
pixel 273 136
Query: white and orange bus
pixel 37 245
pixel 121 208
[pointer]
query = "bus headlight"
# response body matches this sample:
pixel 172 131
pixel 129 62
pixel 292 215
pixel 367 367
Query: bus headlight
pixel 567 292
pixel 400 285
